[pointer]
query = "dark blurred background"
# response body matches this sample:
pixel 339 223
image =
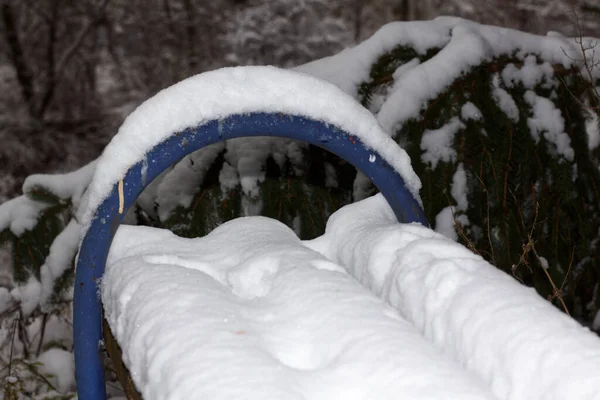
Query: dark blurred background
pixel 71 70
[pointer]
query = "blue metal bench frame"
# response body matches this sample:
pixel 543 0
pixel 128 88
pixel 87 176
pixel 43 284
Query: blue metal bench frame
pixel 87 318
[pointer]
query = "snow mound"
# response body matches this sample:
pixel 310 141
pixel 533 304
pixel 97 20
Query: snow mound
pixel 20 214
pixel 218 94
pixel 513 339
pixel 59 367
pixel 250 312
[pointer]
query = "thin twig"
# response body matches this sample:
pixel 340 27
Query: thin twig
pixel 42 333
pixel 529 247
pixel 489 232
pixel 12 345
pixel 556 292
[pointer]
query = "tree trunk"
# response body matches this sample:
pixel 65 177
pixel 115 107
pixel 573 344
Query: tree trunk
pixel 190 29
pixel 17 56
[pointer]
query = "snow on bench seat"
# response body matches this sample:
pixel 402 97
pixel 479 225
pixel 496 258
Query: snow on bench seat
pixel 516 341
pixel 249 312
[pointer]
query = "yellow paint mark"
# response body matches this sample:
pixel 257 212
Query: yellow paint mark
pixel 121 197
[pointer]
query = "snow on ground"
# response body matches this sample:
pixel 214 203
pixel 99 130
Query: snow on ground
pixel 250 312
pixel 514 340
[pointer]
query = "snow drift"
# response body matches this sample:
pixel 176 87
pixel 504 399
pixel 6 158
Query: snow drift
pixel 251 311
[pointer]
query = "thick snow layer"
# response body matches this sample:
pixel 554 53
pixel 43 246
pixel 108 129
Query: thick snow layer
pixel 459 188
pixel 517 342
pixel 249 312
pixel 61 255
pixel 504 100
pixel 437 143
pixel 592 128
pixel 548 120
pixel 470 111
pixel 227 91
pixel 529 75
pixel 58 330
pixel 465 44
pixel 20 214
pixel 58 365
pixel 28 295
pixel 70 186
pixel 351 67
pixel 445 223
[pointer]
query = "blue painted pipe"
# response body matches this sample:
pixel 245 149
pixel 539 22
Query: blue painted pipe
pixel 87 318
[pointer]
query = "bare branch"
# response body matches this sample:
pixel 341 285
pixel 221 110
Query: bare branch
pixel 81 37
pixel 17 56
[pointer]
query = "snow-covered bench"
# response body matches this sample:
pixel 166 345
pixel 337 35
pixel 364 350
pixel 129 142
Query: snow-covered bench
pixel 252 312
pixel 205 109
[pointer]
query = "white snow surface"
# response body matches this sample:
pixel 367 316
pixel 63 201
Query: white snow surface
pixel 437 143
pixel 504 100
pixel 59 366
pixel 61 255
pixel 529 75
pixel 465 44
pixel 459 188
pixel 69 186
pixel 28 294
pixel 547 119
pixel 445 220
pixel 592 128
pixel 220 93
pixel 352 66
pixel 250 311
pixel 20 214
pixel 470 111
pixel 445 223
pixel 520 345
